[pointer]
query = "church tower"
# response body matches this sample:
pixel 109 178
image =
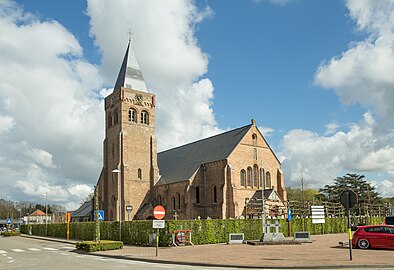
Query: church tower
pixel 130 150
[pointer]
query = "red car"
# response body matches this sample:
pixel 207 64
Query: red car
pixel 375 236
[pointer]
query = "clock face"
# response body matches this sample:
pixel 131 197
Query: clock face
pixel 138 97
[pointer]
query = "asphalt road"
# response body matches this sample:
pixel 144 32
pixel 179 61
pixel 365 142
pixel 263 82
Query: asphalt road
pixel 24 253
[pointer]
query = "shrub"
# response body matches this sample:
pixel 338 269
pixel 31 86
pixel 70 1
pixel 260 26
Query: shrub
pixel 92 246
pixel 7 234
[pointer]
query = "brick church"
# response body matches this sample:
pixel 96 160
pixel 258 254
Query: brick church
pixel 221 177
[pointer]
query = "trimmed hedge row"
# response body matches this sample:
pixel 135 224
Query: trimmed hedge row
pixel 207 231
pixel 92 246
pixel 7 234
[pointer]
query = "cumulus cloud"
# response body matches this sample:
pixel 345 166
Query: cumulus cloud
pixel 50 118
pixel 6 123
pixel 363 74
pixel 266 131
pixel 173 65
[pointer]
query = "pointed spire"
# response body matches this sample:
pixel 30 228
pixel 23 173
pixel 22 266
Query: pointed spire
pixel 130 75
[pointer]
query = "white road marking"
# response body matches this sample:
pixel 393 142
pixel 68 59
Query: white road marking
pixel 3 252
pixel 65 254
pixel 11 261
pixel 18 250
pixel 34 249
pixel 68 248
pixel 50 249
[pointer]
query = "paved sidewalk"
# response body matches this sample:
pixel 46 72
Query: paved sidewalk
pixel 323 252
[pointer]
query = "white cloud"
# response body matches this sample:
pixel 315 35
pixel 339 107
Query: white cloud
pixel 51 124
pixel 363 74
pixel 331 128
pixel 170 59
pixel 266 131
pixel 6 124
pixel 322 158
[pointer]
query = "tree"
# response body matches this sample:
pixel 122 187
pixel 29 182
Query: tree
pixel 365 191
pixel 296 194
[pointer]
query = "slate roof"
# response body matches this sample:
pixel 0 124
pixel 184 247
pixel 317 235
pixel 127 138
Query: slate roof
pixel 84 210
pixel 180 163
pixel 130 75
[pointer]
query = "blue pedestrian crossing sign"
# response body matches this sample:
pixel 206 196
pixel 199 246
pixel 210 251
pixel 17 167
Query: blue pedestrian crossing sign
pixel 9 221
pixel 99 215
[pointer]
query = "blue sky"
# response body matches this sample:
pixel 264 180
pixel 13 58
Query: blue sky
pixel 316 76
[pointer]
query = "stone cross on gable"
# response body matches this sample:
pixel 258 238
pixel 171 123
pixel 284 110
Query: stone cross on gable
pixel 175 216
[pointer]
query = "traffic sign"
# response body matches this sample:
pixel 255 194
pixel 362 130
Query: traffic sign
pixel 9 220
pixel 99 215
pixel 318 215
pixel 159 212
pixel 289 215
pixel 159 224
pixel 348 198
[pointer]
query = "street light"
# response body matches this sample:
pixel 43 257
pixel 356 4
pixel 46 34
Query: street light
pixel 120 202
pixel 46 212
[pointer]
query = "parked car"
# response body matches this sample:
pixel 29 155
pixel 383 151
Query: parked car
pixel 389 220
pixel 374 236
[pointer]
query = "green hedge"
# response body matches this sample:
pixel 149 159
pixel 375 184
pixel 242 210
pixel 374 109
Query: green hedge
pixel 207 231
pixel 7 234
pixel 91 246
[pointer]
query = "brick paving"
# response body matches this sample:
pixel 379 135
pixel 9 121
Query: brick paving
pixel 323 252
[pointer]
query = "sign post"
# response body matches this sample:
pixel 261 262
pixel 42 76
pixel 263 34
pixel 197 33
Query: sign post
pixel 348 200
pixel 68 218
pixel 289 218
pixel 158 212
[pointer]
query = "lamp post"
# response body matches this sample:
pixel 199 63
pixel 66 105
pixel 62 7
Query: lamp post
pixel 46 212
pixel 120 201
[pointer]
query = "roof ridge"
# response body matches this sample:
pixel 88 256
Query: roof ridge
pixel 203 139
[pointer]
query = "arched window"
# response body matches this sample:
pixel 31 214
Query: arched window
pixel 254 153
pixel 116 117
pixel 197 195
pixel 139 174
pixel 109 120
pixel 144 118
pixel 261 177
pixel 215 195
pixel 255 176
pixel 249 177
pixel 242 178
pixel 132 115
pixel 267 180
pixel 254 139
pixel 178 195
pixel 173 203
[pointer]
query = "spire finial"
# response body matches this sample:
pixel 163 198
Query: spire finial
pixel 129 32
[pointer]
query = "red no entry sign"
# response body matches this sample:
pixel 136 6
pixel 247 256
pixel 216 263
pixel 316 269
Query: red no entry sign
pixel 159 212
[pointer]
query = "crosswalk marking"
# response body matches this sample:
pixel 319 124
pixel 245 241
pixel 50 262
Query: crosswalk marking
pixel 33 249
pixel 3 252
pixel 17 250
pixel 50 249
pixel 67 247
